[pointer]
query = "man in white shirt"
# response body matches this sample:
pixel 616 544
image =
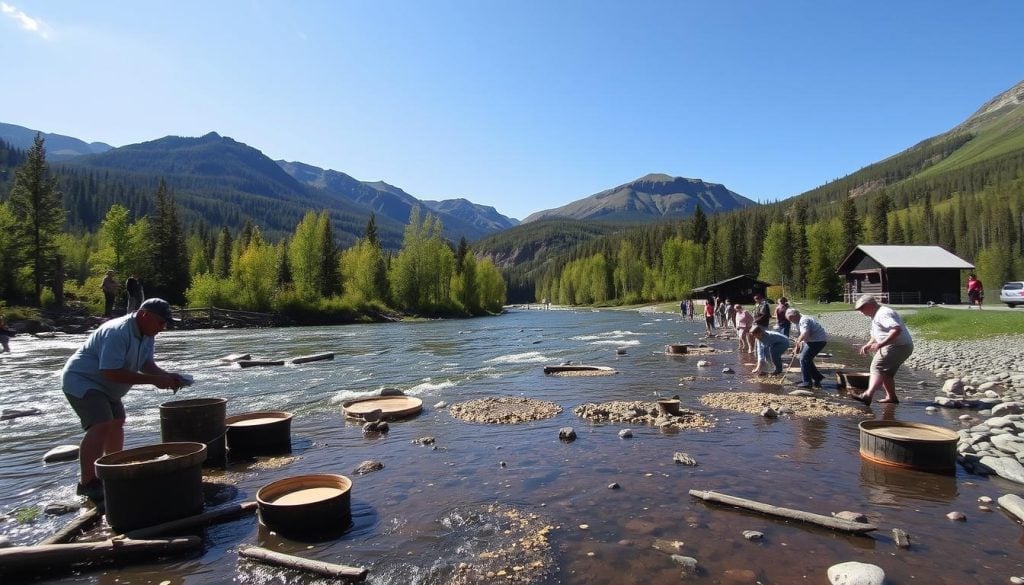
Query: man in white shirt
pixel 890 342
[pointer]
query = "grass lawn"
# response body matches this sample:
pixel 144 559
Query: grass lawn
pixel 952 324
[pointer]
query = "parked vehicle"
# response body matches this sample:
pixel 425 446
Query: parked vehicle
pixel 1012 294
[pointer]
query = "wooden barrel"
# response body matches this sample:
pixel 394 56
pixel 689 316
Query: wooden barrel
pixel 669 406
pixel 910 445
pixel 307 507
pixel 200 420
pixel 260 432
pixel 151 485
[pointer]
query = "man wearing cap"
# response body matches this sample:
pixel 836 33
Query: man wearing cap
pixel 812 339
pixel 890 342
pixel 116 356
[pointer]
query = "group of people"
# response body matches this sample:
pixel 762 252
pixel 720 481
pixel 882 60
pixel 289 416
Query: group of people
pixel 133 290
pixel 890 343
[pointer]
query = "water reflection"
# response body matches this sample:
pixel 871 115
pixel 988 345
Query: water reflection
pixel 888 485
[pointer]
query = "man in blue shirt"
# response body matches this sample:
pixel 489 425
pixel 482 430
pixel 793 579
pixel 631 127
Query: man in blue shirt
pixel 118 355
pixel 811 341
pixel 770 347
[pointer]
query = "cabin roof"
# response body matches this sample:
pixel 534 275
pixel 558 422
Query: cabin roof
pixel 909 257
pixel 721 283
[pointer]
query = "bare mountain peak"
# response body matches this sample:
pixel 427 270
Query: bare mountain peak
pixel 1004 102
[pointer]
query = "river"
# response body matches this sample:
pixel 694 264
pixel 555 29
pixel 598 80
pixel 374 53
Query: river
pixel 486 487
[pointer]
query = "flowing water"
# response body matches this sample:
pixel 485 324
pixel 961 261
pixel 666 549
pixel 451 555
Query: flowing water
pixel 487 488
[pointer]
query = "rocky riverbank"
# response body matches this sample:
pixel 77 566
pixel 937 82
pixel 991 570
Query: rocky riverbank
pixel 985 376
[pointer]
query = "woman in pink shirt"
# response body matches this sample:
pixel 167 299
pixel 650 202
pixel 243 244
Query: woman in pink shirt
pixel 744 319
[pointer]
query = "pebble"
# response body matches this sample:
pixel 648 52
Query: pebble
pixel 769 412
pixel 957 516
pixel 613 486
pixel 753 535
pixel 1017 580
pixel 441 404
pixel 626 434
pixel 703 363
pixel 728 370
pixel 684 459
pixel 368 467
pixel 61 453
pixel 567 434
pixel 584 526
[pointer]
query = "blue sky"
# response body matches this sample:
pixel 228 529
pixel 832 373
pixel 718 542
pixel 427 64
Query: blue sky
pixel 523 105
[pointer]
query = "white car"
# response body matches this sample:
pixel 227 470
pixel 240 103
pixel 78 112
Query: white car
pixel 1012 294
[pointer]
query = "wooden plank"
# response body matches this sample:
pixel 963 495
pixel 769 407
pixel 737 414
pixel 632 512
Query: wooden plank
pixel 292 562
pixel 213 516
pixel 46 557
pixel 76 526
pixel 824 521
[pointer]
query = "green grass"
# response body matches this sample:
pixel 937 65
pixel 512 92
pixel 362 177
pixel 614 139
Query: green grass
pixel 953 324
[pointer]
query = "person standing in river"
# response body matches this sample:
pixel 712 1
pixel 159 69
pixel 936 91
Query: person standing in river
pixel 770 347
pixel 115 357
pixel 5 336
pixel 810 341
pixel 890 342
pixel 133 287
pixel 109 287
pixel 780 316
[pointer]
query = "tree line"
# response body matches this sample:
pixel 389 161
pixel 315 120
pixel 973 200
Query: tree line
pixel 976 212
pixel 304 274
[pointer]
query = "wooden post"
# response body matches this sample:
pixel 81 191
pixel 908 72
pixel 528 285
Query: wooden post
pixel 825 521
pixel 293 562
pixel 72 529
pixel 48 556
pixel 211 517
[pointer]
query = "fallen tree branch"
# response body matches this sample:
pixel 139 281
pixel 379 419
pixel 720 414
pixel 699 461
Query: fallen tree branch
pixel 825 521
pixel 293 562
pixel 76 526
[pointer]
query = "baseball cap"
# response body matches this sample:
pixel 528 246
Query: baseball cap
pixel 865 300
pixel 160 307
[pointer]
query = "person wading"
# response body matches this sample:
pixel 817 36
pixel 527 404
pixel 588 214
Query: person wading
pixel 115 357
pixel 890 342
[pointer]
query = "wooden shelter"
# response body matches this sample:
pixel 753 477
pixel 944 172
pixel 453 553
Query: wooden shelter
pixel 903 274
pixel 738 289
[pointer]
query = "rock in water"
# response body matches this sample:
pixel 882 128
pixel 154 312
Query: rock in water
pixel 854 573
pixel 9 413
pixel 567 434
pixel 61 453
pixel 369 466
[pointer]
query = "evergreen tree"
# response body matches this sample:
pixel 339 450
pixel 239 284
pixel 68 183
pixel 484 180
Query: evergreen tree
pixel 371 230
pixel 330 283
pixel 852 230
pixel 880 209
pixel 37 206
pixel 699 225
pixel 284 269
pixel 460 254
pixel 801 254
pixel 170 258
pixel 222 254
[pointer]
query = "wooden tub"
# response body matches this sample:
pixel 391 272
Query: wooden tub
pixel 909 445
pixel 307 507
pixel 262 431
pixel 852 379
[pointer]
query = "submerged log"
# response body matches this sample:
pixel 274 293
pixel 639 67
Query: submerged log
pixel 825 521
pixel 293 562
pixel 79 524
pixel 253 363
pixel 211 517
pixel 46 557
pixel 313 358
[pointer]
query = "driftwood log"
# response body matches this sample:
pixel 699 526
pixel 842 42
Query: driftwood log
pixel 825 521
pixel 313 358
pixel 46 557
pixel 292 562
pixel 76 526
pixel 1014 505
pixel 255 363
pixel 211 517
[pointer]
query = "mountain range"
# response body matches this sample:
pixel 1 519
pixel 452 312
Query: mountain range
pixel 224 182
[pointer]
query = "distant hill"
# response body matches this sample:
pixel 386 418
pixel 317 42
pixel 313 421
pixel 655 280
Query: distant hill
pixel 223 182
pixel 652 197
pixel 58 146
pixel 459 216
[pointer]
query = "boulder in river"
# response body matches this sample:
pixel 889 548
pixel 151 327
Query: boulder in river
pixel 61 453
pixel 854 573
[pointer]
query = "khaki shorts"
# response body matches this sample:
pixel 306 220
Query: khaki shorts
pixel 96 408
pixel 889 359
